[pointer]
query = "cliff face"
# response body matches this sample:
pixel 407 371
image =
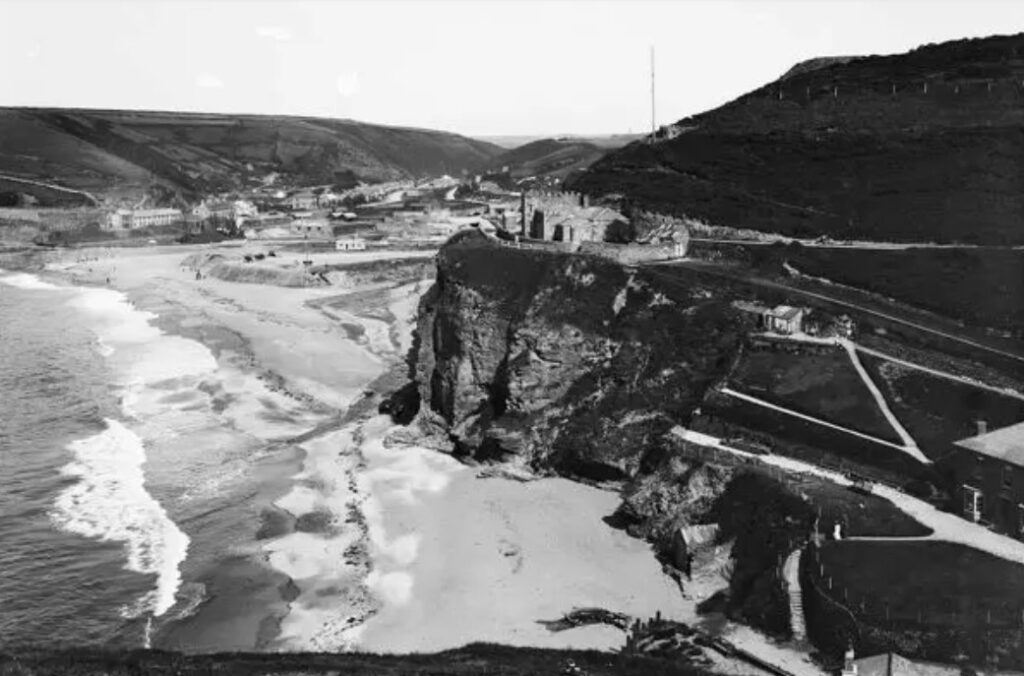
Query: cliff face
pixel 922 146
pixel 564 362
pixel 580 366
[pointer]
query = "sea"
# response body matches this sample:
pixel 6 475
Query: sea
pixel 133 473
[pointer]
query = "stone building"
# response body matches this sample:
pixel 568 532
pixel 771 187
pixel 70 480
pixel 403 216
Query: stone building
pixel 567 217
pixel 128 219
pixel 784 319
pixel 988 470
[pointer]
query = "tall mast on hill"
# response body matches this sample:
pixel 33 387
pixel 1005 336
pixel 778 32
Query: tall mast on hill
pixel 652 95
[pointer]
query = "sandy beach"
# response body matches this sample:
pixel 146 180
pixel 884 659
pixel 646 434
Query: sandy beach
pixel 289 362
pixel 358 542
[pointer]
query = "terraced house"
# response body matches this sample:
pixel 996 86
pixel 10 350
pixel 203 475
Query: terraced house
pixel 125 219
pixel 989 473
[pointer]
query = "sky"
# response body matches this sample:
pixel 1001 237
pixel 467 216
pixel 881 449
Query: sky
pixel 484 67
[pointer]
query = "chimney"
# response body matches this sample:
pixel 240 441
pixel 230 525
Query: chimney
pixel 522 212
pixel 982 427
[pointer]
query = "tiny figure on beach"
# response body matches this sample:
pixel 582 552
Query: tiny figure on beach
pixel 198 276
pixel 689 567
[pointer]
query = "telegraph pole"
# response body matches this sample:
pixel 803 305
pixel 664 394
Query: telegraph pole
pixel 653 127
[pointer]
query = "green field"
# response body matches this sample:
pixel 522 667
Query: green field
pixel 938 411
pixel 860 514
pixel 819 382
pixel 924 582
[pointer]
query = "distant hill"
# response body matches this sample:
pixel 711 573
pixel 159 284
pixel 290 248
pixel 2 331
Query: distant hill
pixel 604 140
pixel 921 146
pixel 551 158
pixel 127 152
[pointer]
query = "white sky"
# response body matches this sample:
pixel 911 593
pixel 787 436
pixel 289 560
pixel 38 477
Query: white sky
pixel 484 67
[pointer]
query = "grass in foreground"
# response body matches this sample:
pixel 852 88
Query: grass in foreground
pixel 473 659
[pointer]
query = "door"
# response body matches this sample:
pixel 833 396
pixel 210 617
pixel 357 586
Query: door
pixel 974 502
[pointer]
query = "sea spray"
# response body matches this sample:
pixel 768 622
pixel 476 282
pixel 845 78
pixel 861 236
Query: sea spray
pixel 109 502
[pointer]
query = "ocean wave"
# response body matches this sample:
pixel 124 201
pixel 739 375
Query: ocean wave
pixel 109 502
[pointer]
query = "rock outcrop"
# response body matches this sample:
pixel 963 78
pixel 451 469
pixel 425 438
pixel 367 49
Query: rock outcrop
pixel 579 366
pixel 567 363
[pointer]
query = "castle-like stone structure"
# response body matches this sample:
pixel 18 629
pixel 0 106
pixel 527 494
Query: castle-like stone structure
pixel 564 217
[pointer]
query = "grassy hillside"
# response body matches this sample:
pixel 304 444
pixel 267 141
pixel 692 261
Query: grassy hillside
pixel 922 146
pixel 104 151
pixel 556 158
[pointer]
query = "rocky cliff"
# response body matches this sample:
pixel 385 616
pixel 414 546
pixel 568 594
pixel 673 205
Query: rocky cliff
pixel 564 362
pixel 922 146
pixel 579 366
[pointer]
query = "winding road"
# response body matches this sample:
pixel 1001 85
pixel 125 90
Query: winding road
pixel 51 186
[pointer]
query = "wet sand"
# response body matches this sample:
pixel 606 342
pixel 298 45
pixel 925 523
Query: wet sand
pixel 288 369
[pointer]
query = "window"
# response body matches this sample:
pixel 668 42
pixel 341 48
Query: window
pixel 976 473
pixel 1007 476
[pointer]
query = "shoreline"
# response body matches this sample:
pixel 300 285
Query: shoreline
pixel 199 315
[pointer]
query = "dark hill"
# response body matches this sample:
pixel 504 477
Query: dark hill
pixel 922 146
pixel 103 150
pixel 554 158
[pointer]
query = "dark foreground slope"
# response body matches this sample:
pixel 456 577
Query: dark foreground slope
pixel 922 146
pixel 97 150
pixel 472 660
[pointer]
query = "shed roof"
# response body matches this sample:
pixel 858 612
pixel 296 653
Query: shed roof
pixel 1006 444
pixel 894 664
pixel 786 312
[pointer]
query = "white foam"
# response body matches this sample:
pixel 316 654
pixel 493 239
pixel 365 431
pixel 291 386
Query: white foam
pixel 109 502
pixel 23 280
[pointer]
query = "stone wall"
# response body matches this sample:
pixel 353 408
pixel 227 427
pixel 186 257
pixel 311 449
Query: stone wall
pixel 633 254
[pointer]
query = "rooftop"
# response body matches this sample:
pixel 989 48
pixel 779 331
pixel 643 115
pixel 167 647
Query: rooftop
pixel 1006 444
pixel 785 312
pixel 893 664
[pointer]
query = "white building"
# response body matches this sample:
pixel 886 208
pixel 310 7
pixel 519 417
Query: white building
pixel 784 319
pixel 350 244
pixel 127 219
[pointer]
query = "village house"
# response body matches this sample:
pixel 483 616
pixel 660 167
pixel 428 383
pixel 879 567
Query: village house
pixel 244 209
pixel 127 219
pixel 784 319
pixel 207 210
pixel 302 200
pixel 988 470
pixel 310 229
pixel 350 244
